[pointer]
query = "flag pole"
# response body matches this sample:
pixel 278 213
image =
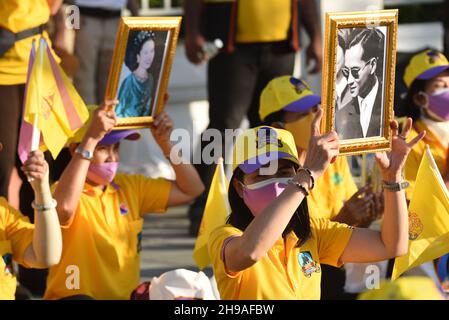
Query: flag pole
pixel 36 137
pixel 364 170
pixel 223 184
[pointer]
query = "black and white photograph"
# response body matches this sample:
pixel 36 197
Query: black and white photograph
pixel 359 87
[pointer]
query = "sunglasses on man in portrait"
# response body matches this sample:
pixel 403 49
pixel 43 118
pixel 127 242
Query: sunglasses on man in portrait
pixel 355 71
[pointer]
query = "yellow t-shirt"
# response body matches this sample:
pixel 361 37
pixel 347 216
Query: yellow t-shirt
pixel 101 246
pixel 286 271
pixel 331 190
pixel 439 153
pixel 16 234
pixel 16 16
pixel 263 21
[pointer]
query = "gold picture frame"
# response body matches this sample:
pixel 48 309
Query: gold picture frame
pixel 138 48
pixel 344 31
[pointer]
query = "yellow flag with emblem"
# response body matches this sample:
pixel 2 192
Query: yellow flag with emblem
pixel 428 218
pixel 215 214
pixel 51 103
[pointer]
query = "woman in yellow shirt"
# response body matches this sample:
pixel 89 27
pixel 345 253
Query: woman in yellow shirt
pixel 35 246
pixel 270 248
pixel 427 103
pixel 102 214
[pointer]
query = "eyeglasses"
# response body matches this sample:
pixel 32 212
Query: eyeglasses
pixel 355 71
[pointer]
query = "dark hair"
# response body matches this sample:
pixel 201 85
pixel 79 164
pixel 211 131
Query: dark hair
pixel 278 116
pixel 241 216
pixel 409 106
pixel 372 41
pixel 136 41
pixel 341 42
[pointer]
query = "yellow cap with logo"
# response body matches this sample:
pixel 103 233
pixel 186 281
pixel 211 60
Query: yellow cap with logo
pixel 405 288
pixel 424 66
pixel 256 147
pixel 286 93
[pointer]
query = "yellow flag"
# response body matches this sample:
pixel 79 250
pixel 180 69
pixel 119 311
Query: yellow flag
pixel 52 99
pixel 428 218
pixel 215 215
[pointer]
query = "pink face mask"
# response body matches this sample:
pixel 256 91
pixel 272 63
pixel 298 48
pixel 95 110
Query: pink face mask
pixel 259 195
pixel 102 173
pixel 439 103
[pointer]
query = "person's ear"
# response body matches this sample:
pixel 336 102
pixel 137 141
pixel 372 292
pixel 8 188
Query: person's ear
pixel 238 187
pixel 373 64
pixel 420 99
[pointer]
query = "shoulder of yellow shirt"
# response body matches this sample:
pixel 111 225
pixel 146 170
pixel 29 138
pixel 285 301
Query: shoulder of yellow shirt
pixel 316 224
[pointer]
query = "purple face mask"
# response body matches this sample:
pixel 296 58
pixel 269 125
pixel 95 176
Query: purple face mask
pixel 259 195
pixel 102 173
pixel 439 103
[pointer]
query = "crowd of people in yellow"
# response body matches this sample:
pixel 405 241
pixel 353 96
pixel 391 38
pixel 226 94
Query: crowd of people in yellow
pixel 296 212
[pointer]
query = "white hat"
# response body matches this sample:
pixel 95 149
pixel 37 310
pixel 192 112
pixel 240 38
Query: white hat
pixel 181 284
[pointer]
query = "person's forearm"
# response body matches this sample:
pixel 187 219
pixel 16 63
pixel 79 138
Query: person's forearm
pixel 54 6
pixel 309 18
pixel 394 231
pixel 192 14
pixel 71 183
pixel 133 7
pixel 59 34
pixel 187 178
pixel 267 227
pixel 47 239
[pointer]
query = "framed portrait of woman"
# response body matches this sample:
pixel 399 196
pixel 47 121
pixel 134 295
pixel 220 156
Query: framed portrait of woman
pixel 358 78
pixel 140 68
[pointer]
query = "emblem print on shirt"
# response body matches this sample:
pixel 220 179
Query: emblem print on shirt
pixel 308 266
pixel 123 208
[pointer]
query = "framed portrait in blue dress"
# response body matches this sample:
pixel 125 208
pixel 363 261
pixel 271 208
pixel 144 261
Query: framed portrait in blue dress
pixel 140 68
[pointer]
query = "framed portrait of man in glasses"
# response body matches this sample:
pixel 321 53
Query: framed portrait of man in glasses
pixel 358 78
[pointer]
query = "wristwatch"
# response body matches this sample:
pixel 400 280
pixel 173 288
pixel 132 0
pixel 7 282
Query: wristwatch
pixel 86 154
pixel 398 186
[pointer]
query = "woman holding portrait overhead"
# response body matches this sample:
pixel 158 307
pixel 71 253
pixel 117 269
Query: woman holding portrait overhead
pixel 270 248
pixel 135 94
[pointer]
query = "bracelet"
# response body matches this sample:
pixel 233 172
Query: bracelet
pixel 312 179
pixel 299 186
pixel 44 207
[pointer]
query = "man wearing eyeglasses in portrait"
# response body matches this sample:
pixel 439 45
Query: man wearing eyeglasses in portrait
pixel 361 116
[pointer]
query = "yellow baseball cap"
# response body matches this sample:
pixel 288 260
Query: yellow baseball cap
pixel 286 93
pixel 405 288
pixel 256 147
pixel 424 66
